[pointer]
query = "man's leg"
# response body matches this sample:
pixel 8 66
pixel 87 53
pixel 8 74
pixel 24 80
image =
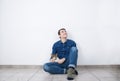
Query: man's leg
pixel 73 57
pixel 54 68
pixel 72 63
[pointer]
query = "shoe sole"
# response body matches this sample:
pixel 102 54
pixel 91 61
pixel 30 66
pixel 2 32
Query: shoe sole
pixel 69 78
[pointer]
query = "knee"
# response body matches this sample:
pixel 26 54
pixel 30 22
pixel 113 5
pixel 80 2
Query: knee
pixel 46 67
pixel 74 49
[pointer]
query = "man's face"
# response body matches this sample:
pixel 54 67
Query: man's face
pixel 63 34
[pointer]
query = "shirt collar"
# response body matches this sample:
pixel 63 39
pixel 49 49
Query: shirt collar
pixel 64 42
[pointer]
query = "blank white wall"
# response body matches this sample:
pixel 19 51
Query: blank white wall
pixel 28 29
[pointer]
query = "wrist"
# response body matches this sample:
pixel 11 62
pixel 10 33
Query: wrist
pixel 63 59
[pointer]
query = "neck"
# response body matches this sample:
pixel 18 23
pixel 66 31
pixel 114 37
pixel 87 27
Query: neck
pixel 63 40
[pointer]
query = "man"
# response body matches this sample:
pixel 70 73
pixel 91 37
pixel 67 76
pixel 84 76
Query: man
pixel 64 57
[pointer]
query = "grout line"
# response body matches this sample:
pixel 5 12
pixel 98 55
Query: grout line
pixel 93 75
pixel 32 75
pixel 52 78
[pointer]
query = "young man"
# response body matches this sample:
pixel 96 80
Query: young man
pixel 64 57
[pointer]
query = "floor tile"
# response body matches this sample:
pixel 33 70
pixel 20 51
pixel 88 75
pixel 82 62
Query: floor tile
pixel 110 79
pixel 86 77
pixel 42 76
pixel 6 74
pixel 101 73
pixel 22 75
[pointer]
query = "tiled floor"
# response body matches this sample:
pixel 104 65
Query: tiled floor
pixel 85 74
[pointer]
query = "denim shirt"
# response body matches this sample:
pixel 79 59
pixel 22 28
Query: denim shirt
pixel 62 49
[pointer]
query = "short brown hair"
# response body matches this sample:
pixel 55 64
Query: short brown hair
pixel 60 30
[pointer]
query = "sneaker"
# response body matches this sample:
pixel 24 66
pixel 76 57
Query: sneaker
pixel 71 73
pixel 76 72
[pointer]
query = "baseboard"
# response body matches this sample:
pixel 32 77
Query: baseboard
pixel 21 66
pixel 40 66
pixel 98 66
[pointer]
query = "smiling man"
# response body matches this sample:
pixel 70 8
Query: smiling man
pixel 64 57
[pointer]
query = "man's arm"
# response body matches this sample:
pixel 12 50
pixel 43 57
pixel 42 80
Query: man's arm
pixel 60 61
pixel 53 57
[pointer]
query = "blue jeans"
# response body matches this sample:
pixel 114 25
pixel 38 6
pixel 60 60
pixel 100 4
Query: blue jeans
pixel 55 68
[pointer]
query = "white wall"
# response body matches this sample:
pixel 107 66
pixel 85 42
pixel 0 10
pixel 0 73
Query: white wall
pixel 28 28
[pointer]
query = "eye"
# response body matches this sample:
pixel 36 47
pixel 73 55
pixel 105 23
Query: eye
pixel 62 31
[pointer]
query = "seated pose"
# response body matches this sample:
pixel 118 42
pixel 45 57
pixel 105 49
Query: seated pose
pixel 64 57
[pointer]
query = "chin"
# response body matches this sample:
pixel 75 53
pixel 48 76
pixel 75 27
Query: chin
pixel 65 37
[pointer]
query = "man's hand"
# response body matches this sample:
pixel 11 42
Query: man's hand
pixel 60 61
pixel 52 60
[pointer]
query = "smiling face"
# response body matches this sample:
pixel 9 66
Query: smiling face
pixel 62 33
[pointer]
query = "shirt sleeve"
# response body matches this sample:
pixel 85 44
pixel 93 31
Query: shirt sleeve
pixel 73 44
